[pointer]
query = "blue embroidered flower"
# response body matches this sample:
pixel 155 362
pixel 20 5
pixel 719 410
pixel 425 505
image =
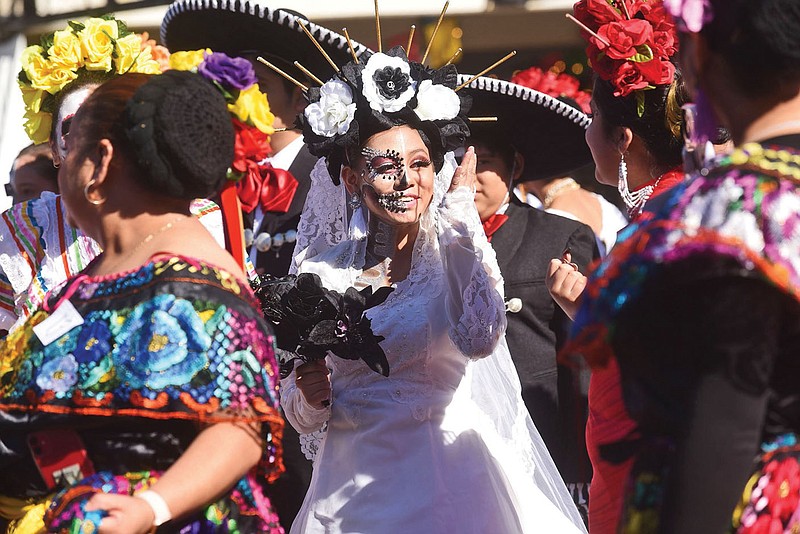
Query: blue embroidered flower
pixel 162 343
pixel 58 375
pixel 94 341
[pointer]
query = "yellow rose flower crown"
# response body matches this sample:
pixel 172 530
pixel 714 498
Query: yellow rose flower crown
pixel 99 47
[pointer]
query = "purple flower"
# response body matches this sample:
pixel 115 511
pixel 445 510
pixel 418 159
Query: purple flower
pixel 694 14
pixel 58 375
pixel 230 72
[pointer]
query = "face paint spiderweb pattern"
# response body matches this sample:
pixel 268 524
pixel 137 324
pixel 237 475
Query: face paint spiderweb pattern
pixel 387 165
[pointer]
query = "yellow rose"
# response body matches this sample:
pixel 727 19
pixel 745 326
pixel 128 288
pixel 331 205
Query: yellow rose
pixel 128 49
pixel 97 43
pixel 59 77
pixel 31 97
pixel 187 60
pixel 35 66
pixel 252 108
pixel 145 63
pixel 38 126
pixel 66 49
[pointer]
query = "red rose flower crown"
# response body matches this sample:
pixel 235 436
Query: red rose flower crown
pixel 630 43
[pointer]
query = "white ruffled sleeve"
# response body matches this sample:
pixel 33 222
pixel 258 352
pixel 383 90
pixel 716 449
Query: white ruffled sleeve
pixel 305 418
pixel 474 287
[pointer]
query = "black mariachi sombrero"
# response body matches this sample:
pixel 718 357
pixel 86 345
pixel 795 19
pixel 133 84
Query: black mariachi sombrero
pixel 234 26
pixel 548 132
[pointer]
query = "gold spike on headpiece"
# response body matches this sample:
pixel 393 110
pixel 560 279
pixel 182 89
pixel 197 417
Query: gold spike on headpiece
pixel 453 58
pixel 410 40
pixel 319 47
pixel 435 30
pixel 308 73
pixel 279 71
pixel 482 119
pixel 378 26
pixel 350 45
pixel 484 71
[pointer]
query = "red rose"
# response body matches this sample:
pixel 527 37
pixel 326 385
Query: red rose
pixel 623 37
pixel 601 63
pixel 765 524
pixel 664 44
pixel 628 79
pixel 531 78
pixel 783 490
pixel 252 146
pixel 657 71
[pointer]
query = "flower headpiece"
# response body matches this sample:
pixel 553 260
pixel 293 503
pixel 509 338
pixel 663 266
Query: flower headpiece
pixel 691 15
pixel 556 85
pixel 236 80
pixel 96 45
pixel 388 90
pixel 629 43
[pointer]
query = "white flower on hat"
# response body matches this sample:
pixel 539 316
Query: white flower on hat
pixel 436 102
pixel 387 83
pixel 334 111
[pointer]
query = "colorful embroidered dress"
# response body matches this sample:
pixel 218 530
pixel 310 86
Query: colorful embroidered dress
pixel 699 306
pixel 162 350
pixel 39 250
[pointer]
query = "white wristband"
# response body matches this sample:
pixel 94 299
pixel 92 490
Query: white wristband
pixel 157 504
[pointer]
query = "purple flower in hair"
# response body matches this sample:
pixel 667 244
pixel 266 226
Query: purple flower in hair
pixel 692 15
pixel 232 73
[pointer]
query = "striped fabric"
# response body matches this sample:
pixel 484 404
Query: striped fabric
pixel 39 250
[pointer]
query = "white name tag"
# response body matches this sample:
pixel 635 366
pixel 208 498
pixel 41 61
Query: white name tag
pixel 61 321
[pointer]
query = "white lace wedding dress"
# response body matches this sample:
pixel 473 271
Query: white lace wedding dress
pixel 444 444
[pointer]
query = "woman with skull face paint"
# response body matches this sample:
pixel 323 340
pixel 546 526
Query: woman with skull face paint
pixel 39 247
pixel 444 442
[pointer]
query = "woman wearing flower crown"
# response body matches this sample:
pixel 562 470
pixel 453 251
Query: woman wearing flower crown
pixel 444 442
pixel 699 306
pixel 636 142
pixel 144 391
pixel 39 249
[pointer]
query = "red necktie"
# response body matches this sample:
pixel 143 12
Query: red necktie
pixel 493 224
pixel 264 185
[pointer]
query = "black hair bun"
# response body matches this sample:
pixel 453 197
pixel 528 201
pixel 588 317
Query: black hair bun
pixel 182 135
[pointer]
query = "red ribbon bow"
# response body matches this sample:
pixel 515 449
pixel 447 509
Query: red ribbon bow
pixel 273 189
pixel 493 224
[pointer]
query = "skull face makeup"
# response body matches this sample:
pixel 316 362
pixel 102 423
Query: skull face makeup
pixel 396 180
pixel 69 106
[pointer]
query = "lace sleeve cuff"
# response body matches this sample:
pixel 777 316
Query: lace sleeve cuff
pixel 305 418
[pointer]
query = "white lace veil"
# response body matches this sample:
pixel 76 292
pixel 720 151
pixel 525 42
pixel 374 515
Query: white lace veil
pixel 492 383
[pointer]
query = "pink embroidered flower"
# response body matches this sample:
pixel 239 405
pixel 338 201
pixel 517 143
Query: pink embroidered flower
pixel 783 492
pixel 694 14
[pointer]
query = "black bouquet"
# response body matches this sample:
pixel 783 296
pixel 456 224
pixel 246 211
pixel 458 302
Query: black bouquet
pixel 310 320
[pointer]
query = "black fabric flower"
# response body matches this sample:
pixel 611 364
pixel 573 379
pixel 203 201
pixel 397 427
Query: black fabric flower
pixel 310 321
pixel 391 82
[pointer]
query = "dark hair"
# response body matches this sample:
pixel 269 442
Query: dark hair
pixel 42 160
pixel 495 140
pixel 174 127
pixel 660 125
pixel 760 42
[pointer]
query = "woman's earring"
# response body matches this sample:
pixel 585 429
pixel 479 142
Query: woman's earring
pixel 354 201
pixel 95 201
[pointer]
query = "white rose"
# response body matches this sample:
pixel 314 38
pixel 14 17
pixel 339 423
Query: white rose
pixel 436 102
pixel 387 95
pixel 335 110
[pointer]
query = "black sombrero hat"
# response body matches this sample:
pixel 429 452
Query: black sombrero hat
pixel 548 132
pixel 235 26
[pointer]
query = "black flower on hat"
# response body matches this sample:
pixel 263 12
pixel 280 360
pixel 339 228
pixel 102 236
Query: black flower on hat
pixel 391 82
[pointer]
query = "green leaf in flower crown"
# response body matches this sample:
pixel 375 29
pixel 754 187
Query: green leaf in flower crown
pixel 643 54
pixel 46 42
pixel 640 102
pixel 122 28
pixel 77 27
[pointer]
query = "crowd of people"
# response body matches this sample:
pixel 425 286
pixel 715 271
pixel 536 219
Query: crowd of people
pixel 266 279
